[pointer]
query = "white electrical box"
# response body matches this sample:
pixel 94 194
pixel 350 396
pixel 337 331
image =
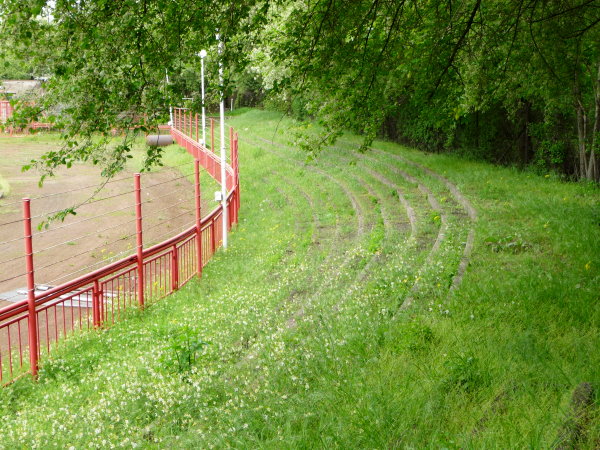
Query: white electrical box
pixel 218 196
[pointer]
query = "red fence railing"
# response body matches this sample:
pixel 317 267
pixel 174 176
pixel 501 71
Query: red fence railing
pixel 102 296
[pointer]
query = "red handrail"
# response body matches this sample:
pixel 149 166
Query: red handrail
pixel 133 277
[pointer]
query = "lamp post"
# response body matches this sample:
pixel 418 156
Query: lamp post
pixel 223 161
pixel 202 55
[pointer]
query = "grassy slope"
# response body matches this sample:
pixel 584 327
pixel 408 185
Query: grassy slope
pixel 308 343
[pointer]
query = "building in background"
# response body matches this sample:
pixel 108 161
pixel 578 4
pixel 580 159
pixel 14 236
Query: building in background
pixel 14 89
pixel 17 88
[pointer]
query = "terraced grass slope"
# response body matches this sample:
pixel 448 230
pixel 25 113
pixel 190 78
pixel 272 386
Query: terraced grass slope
pixel 380 299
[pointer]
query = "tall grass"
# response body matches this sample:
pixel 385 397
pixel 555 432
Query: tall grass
pixel 295 337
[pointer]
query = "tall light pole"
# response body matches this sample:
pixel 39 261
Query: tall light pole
pixel 170 107
pixel 223 161
pixel 202 55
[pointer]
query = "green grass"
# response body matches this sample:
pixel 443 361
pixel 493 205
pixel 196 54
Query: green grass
pixel 295 337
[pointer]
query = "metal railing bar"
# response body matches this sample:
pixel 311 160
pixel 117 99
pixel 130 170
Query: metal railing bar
pixel 168 181
pixel 113 257
pixel 171 218
pixel 85 235
pixel 12 259
pixel 83 253
pixel 82 220
pixel 79 189
pixel 13 277
pixel 171 206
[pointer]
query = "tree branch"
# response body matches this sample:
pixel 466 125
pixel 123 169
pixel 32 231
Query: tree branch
pixel 457 47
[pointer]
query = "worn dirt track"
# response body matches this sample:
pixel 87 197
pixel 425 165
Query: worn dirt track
pixel 100 232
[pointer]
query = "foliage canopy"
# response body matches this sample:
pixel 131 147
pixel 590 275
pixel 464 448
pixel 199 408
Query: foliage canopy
pixel 513 81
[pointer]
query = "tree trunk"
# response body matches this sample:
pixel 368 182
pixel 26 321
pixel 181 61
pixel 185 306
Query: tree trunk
pixel 581 127
pixel 592 164
pixel 581 135
pixel 524 139
pixel 477 131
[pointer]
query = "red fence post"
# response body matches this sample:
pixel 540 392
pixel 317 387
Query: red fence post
pixel 198 217
pixel 235 165
pixel 231 146
pixel 32 318
pixel 96 304
pixel 213 238
pixel 237 169
pixel 139 240
pixel 174 268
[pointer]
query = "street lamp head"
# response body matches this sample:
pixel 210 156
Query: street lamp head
pixel 202 54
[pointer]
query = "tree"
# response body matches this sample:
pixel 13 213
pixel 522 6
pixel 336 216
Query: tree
pixel 430 69
pixel 439 74
pixel 109 66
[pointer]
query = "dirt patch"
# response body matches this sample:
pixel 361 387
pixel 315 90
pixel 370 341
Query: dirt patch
pixel 103 230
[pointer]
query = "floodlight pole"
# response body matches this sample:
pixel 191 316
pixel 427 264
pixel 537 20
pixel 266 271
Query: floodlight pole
pixel 224 215
pixel 202 56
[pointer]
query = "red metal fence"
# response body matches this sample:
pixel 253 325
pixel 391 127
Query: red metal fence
pixel 100 297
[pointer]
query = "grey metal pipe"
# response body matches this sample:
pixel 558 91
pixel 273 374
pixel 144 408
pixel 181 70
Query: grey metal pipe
pixel 159 140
